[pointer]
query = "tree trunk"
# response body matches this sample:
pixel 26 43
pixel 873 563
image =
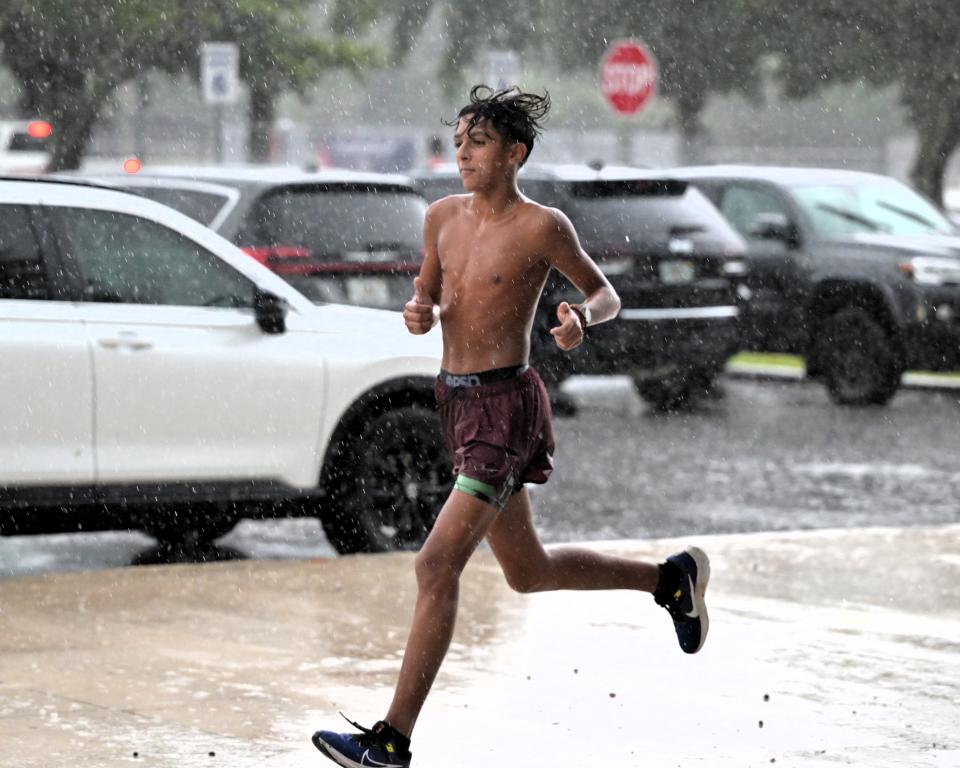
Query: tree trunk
pixel 938 133
pixel 689 104
pixel 262 111
pixel 73 119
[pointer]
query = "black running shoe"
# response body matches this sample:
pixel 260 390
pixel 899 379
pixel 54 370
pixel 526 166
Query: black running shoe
pixel 683 599
pixel 380 746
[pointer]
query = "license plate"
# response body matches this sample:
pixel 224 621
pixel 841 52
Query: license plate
pixel 372 257
pixel 368 291
pixel 675 272
pixel 616 266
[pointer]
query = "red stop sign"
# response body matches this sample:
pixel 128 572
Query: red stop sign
pixel 628 77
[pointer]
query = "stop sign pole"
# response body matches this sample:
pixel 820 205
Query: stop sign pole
pixel 628 81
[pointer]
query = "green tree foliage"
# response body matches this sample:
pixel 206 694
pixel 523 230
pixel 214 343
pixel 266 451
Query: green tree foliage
pixel 469 27
pixel 69 56
pixel 911 44
pixel 701 46
pixel 278 54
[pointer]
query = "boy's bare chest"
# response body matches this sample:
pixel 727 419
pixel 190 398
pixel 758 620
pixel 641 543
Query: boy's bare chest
pixel 487 253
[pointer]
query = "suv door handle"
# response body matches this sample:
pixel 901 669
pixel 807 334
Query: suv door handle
pixel 125 342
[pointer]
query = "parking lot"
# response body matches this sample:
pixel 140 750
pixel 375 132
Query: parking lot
pixel 758 456
pixel 762 455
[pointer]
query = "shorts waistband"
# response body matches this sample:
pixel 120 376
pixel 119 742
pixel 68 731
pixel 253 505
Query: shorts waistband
pixel 483 377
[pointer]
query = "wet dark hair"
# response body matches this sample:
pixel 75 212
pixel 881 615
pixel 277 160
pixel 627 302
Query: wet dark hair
pixel 515 115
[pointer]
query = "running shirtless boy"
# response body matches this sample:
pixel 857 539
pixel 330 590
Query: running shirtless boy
pixel 487 256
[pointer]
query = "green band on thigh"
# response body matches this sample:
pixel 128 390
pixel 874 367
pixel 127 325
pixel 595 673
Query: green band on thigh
pixel 483 491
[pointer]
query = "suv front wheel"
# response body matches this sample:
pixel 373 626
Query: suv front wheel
pixel 187 525
pixel 857 358
pixel 392 480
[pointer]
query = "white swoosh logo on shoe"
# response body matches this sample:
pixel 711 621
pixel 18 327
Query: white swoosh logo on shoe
pixel 367 760
pixel 693 614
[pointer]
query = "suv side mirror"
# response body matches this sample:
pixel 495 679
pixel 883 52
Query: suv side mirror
pixel 270 311
pixel 775 226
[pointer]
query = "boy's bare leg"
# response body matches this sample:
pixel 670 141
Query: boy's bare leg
pixel 529 567
pixel 460 527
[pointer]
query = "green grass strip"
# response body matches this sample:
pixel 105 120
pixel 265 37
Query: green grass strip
pixel 795 362
pixel 939 375
pixel 765 358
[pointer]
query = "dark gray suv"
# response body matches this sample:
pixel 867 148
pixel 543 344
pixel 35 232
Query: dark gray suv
pixel 675 261
pixel 855 271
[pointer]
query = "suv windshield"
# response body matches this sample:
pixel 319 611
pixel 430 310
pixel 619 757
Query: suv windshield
pixel 200 206
pixel 435 187
pixel 889 208
pixel 605 213
pixel 344 223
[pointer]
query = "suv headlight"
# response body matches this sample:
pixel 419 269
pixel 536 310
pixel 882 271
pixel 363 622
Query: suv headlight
pixel 929 270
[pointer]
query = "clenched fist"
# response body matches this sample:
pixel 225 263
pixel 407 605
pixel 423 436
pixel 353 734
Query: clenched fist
pixel 569 334
pixel 418 313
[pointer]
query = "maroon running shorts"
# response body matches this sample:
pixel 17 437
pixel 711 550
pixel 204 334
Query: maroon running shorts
pixel 497 427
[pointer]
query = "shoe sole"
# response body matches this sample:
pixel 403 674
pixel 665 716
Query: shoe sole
pixel 327 751
pixel 699 589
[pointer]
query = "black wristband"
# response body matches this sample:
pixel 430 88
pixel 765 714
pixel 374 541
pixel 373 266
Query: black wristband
pixel 582 316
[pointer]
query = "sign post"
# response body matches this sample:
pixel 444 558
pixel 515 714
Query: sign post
pixel 628 81
pixel 220 78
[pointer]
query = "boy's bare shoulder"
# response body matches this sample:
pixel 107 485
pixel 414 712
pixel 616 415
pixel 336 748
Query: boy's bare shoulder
pixel 447 206
pixel 544 218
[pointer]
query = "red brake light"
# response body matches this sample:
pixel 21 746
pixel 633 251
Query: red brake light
pixel 132 165
pixel 39 129
pixel 270 254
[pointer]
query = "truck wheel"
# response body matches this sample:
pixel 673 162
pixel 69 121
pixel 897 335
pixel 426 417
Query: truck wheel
pixel 677 390
pixel 392 480
pixel 857 358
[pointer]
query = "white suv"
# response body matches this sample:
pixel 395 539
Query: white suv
pixel 154 376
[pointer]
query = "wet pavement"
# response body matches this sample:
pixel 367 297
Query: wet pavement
pixel 829 647
pixel 761 455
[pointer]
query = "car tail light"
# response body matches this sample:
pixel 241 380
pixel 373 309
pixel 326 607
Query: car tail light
pixel 269 255
pixel 39 129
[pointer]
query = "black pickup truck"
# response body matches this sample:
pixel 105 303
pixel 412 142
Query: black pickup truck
pixel 674 260
pixel 855 271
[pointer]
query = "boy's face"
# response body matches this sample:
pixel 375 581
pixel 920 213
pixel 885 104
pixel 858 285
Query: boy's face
pixel 483 157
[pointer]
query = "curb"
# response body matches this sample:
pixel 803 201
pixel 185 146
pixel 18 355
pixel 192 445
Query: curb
pixel 911 380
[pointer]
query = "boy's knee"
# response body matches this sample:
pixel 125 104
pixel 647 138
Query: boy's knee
pixel 433 570
pixel 525 580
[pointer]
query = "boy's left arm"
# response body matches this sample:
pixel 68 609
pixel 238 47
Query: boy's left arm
pixel 600 303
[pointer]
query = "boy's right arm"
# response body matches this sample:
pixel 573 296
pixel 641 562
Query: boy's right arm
pixel 419 313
